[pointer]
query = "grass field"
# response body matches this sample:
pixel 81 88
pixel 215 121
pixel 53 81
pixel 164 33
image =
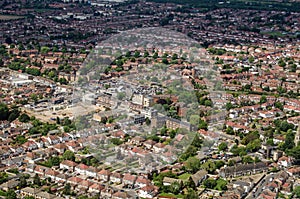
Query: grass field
pixel 10 17
pixel 184 176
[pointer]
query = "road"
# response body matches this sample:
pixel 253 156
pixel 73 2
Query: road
pixel 260 186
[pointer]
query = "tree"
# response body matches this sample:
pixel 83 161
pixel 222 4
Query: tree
pixel 251 59
pixel 197 142
pixel 136 54
pixel 209 166
pixel 203 125
pixel 229 106
pixel 34 97
pixel 13 115
pixel 295 153
pixel 67 189
pixel 67 129
pixel 192 164
pixel 55 161
pixel 296 191
pixel 163 131
pixel 116 141
pixel 121 95
pixel 289 141
pixel 148 121
pixel 69 155
pixel 37 180
pixel 146 53
pixel 174 56
pixel 23 182
pixel 229 130
pixel 175 188
pixel 45 49
pixel 24 118
pixel 250 137
pixel 247 159
pixel 219 163
pixel 210 183
pixel 263 99
pixel 231 163
pixel 11 194
pixel 281 63
pixel 279 105
pixel 194 120
pixel 63 80
pixel 4 111
pixel 29 197
pixel 221 184
pixel 208 103
pixel 270 142
pixel 223 146
pixel 254 145
pixel 165 61
pixel 191 194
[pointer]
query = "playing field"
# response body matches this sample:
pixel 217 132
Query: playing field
pixel 10 17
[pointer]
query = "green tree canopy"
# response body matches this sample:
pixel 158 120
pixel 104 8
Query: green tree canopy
pixel 192 164
pixel 11 194
pixel 69 155
pixel 223 146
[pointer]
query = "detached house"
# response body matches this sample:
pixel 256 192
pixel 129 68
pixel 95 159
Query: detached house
pixel 116 178
pixel 148 191
pixel 81 169
pixel 67 164
pixel 129 179
pixel 104 175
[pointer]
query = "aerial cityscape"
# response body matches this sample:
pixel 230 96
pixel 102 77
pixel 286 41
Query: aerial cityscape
pixel 138 99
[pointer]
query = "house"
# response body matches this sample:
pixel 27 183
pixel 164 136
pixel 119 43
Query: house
pixel 62 178
pixel 141 182
pixel 96 188
pixel 60 148
pixel 106 193
pixel 68 164
pixel 199 177
pixel 44 195
pixel 104 175
pixel 121 195
pixel 84 184
pixel 29 145
pixel 168 181
pixel 74 146
pixel 53 139
pixel 284 161
pixel 92 172
pixel 51 174
pixel 159 147
pixel 116 177
pixel 295 171
pixel 149 144
pixel 28 191
pixel 11 184
pixel 40 170
pixel 129 179
pixel 148 191
pixel 66 137
pixel 74 180
pixel 245 185
pixel 243 169
pixel 32 157
pixel 81 168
